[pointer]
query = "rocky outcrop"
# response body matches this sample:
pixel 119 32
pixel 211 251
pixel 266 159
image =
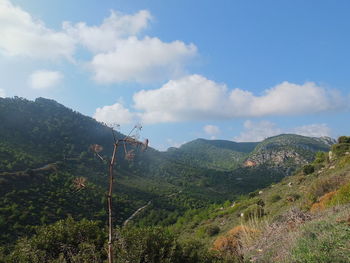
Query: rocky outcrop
pixel 276 158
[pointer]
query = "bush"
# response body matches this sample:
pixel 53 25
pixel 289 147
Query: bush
pixel 342 196
pixel 293 197
pixel 322 202
pixel 326 185
pixel 253 194
pixel 344 139
pixel 231 243
pixel 64 241
pixel 212 230
pixel 340 149
pixel 260 202
pixel 275 198
pixel 308 169
pixel 320 157
pixel 158 245
pixel 254 211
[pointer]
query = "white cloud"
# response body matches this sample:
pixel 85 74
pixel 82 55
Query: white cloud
pixel 114 114
pixel 144 60
pixel 258 131
pixel 118 54
pixel 23 35
pixel 196 98
pixel 211 129
pixel 45 79
pixel 121 56
pixel 190 98
pixel 2 93
pixel 104 38
pixel 313 130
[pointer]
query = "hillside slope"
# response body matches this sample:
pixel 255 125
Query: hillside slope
pixel 303 218
pixel 213 154
pixel 44 147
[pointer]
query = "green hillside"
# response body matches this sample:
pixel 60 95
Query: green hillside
pixel 212 154
pixel 303 218
pixel 45 147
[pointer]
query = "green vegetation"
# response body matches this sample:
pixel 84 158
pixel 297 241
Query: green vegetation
pixel 324 240
pixel 193 195
pixel 308 169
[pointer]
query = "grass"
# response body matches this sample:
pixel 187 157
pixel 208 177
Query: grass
pixel 324 240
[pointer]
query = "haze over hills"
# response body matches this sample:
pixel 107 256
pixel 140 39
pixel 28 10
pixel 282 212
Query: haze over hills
pixel 44 146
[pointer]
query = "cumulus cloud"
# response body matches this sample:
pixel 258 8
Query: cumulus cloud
pixel 258 131
pixel 211 129
pixel 195 97
pixel 144 60
pixel 118 53
pixel 45 79
pixel 21 34
pixel 104 38
pixel 190 98
pixel 121 56
pixel 114 114
pixel 2 93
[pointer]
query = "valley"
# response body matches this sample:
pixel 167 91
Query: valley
pixel 186 197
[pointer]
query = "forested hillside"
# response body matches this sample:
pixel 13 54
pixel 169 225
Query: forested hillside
pixel 45 147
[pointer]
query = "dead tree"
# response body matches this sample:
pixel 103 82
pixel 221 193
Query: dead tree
pixel 129 144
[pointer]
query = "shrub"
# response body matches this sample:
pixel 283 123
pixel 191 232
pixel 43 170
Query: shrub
pixel 340 149
pixel 64 240
pixel 231 243
pixel 326 185
pixel 308 169
pixel 149 244
pixel 322 202
pixel 293 197
pixel 320 157
pixel 254 211
pixel 212 230
pixel 342 196
pixel 344 139
pixel 275 198
pixel 260 202
pixel 253 194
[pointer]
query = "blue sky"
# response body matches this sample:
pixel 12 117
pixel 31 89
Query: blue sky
pixel 236 70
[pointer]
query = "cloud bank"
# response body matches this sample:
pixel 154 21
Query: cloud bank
pixel 194 98
pixel 197 98
pixel 118 53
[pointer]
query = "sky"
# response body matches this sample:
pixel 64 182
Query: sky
pixel 229 69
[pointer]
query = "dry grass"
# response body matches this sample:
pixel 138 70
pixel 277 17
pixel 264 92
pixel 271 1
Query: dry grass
pixel 274 243
pixel 232 242
pixel 321 204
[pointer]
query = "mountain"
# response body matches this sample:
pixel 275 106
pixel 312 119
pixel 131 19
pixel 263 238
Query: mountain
pixel 287 151
pixel 44 148
pixel 213 154
pixel 303 218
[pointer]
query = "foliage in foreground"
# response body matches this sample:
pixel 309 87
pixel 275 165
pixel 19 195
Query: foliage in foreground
pixel 85 242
